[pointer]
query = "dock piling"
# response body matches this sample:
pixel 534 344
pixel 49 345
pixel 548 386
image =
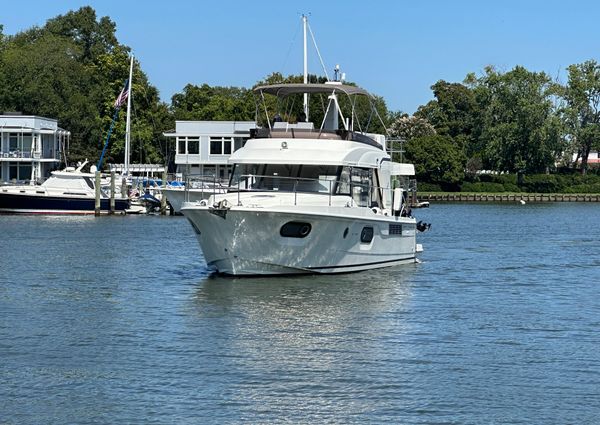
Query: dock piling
pixel 97 187
pixel 112 192
pixel 163 198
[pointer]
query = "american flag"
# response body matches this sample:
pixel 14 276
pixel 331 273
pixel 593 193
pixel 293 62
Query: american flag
pixel 122 96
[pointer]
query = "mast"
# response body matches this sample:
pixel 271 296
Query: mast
pixel 304 23
pixel 128 125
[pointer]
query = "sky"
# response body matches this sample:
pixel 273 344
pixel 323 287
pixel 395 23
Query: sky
pixel 394 49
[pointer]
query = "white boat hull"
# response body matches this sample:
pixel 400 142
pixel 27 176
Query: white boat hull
pixel 247 241
pixel 177 196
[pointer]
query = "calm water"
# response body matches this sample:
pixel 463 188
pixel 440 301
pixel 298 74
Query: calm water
pixel 115 320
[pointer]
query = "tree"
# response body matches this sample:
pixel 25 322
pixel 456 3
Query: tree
pixel 410 127
pixel 213 103
pixel 453 111
pixel 582 110
pixel 437 159
pixel 519 128
pixel 72 69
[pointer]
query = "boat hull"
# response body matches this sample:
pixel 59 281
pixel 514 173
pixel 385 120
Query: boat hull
pixel 177 196
pixel 250 242
pixel 44 204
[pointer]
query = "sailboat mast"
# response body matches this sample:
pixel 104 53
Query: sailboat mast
pixel 304 23
pixel 128 124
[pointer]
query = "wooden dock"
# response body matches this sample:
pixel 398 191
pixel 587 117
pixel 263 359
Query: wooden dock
pixel 514 197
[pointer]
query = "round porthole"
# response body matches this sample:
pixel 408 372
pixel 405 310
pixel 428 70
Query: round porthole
pixel 295 229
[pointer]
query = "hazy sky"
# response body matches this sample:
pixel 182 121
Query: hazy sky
pixel 395 49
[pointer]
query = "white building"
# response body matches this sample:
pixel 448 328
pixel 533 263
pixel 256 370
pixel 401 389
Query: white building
pixel 203 147
pixel 593 158
pixel 30 147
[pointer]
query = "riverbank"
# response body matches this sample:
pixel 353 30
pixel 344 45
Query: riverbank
pixel 507 197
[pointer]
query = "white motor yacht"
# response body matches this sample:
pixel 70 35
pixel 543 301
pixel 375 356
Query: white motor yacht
pixel 306 200
pixel 70 191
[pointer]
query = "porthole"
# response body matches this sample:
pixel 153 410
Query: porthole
pixel 295 229
pixel 366 235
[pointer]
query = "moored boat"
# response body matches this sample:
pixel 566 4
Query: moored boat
pixel 70 191
pixel 309 200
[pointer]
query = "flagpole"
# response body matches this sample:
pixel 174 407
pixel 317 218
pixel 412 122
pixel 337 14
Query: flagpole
pixel 128 125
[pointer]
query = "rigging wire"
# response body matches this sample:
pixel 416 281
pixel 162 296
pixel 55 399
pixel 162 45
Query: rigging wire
pixel 318 52
pixel 287 56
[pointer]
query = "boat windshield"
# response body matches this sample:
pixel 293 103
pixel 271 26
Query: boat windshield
pixel 286 177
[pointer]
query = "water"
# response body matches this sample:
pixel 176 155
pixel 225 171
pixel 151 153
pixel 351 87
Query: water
pixel 116 320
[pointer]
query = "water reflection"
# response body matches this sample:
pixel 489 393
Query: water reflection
pixel 294 344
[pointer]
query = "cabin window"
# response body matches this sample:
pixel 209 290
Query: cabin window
pixel 193 145
pixel 360 185
pixel 295 229
pixel 286 177
pixel 366 236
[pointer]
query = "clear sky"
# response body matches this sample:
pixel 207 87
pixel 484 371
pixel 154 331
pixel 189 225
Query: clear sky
pixel 395 49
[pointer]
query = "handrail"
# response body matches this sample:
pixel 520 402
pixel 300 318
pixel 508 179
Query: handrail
pixel 207 182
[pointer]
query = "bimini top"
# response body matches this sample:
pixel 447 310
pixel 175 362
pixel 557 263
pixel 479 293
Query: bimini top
pixel 282 90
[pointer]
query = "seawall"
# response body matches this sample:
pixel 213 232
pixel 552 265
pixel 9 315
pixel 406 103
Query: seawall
pixel 527 197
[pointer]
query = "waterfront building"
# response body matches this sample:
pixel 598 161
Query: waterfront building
pixel 203 147
pixel 30 147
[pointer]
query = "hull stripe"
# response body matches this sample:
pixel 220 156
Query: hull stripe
pixel 360 264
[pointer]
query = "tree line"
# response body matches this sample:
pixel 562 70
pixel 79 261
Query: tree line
pixel 519 121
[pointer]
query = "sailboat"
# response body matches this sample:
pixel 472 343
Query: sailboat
pixel 140 201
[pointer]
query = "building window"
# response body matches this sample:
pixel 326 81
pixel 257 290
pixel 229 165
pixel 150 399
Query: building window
pixel 181 145
pixel 13 171
pixel 216 146
pixel 193 145
pixel 13 141
pixel 27 141
pixel 239 142
pixel 227 146
pixel 18 171
pixel 24 172
pixel 220 145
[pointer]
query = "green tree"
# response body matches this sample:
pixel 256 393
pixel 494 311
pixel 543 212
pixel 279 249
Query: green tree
pixel 453 111
pixel 213 103
pixel 437 159
pixel 519 127
pixel 582 109
pixel 72 69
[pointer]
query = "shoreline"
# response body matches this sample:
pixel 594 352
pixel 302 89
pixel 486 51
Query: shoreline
pixel 507 197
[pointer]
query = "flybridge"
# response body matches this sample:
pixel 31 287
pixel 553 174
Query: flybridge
pixel 330 128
